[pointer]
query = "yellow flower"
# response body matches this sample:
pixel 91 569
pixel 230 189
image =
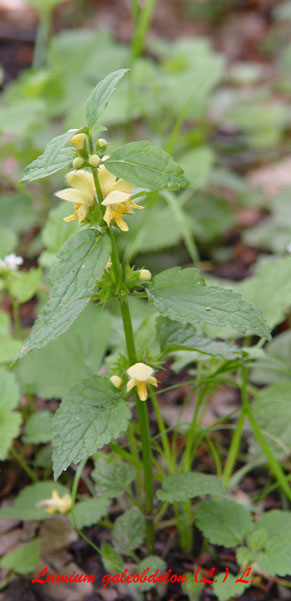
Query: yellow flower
pixel 116 381
pixel 56 504
pixel 117 201
pixel 79 141
pixel 145 275
pixel 81 193
pixel 140 375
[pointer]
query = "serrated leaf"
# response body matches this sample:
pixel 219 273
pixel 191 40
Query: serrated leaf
pixel 80 263
pixel 180 487
pixel 177 336
pixel 112 476
pixel 129 530
pixel 183 296
pixel 147 166
pixel 90 416
pixel 90 511
pixel 223 522
pixel 100 96
pixel 24 559
pixel 276 557
pixel 111 559
pixel 24 506
pixel 39 428
pixel 56 156
pixel 230 588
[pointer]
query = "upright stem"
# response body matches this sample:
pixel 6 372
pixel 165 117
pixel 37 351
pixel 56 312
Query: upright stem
pixel 141 406
pixel 143 419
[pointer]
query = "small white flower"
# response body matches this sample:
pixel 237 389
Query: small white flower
pixel 11 262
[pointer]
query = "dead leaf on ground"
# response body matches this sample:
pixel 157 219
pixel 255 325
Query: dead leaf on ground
pixel 272 178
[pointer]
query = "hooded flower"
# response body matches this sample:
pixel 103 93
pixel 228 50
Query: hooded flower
pixel 117 201
pixel 81 193
pixel 56 504
pixel 140 375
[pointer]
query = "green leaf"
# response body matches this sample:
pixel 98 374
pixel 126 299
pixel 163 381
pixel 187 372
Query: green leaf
pixel 39 428
pixel 180 487
pixel 8 241
pixel 90 511
pixel 147 166
pixel 80 263
pixel 24 506
pixel 112 476
pixel 183 296
pixel 9 420
pixel 176 336
pixel 230 588
pixel 111 559
pixel 259 289
pixel 129 530
pixel 24 559
pixel 192 588
pixel 154 563
pixel 272 412
pixel 9 429
pixel 56 156
pixel 223 522
pixel 197 164
pixel 9 349
pixel 258 539
pixel 100 96
pixel 53 370
pixel 276 557
pixel 90 416
pixel 24 285
pixel 56 232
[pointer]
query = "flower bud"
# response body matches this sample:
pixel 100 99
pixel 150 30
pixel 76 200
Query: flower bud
pixel 116 381
pixel 94 160
pixel 145 275
pixel 102 143
pixel 78 162
pixel 78 140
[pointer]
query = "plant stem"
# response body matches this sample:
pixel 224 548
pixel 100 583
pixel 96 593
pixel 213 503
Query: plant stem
pixel 42 40
pixel 141 406
pixel 186 463
pixel 162 430
pixel 144 429
pixel 76 481
pixel 142 22
pixel 16 318
pixel 236 440
pixel 21 461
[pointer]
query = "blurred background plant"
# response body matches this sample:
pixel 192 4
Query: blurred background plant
pixel 209 83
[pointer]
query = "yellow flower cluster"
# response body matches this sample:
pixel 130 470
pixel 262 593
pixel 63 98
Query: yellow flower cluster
pixel 116 194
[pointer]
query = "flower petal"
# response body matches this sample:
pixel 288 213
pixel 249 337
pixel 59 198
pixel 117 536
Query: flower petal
pixel 115 197
pixel 142 391
pixel 120 222
pixel 72 195
pixel 106 179
pixel 122 186
pixel 140 371
pixel 83 181
pixel 130 384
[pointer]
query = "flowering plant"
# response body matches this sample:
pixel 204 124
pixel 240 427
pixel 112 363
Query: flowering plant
pixel 105 417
